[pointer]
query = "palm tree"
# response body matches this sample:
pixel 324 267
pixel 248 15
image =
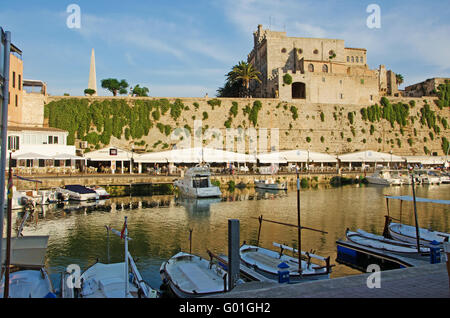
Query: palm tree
pixel 399 79
pixel 245 72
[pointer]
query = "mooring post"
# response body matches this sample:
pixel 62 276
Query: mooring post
pixel 233 253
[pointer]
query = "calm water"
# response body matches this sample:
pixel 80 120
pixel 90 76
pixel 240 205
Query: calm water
pixel 159 225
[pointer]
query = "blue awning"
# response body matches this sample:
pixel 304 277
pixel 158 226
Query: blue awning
pixel 410 198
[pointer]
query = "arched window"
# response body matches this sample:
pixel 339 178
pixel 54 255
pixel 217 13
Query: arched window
pixel 357 59
pixel 325 68
pixel 311 68
pixel 316 51
pixel 348 59
pixel 362 60
pixel 353 59
pixel 283 50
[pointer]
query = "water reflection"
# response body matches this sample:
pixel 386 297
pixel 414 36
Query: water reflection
pixel 159 225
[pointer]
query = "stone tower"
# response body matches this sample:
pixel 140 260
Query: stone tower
pixel 92 75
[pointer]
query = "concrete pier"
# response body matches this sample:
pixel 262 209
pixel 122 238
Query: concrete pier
pixel 428 281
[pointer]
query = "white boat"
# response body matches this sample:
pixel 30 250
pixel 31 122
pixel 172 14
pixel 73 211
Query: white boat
pixel 118 280
pixel 28 277
pixel 384 177
pixel 19 200
pixel 108 281
pixel 102 193
pixel 407 233
pixel 429 177
pixel 191 276
pixel 266 262
pixel 79 193
pixel 196 183
pixel 270 184
pixel 445 177
pixel 381 243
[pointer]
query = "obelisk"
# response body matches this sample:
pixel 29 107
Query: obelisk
pixel 92 75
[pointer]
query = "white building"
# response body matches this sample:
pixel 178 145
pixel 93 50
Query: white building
pixel 45 141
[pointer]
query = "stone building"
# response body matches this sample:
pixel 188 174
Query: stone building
pixel 322 70
pixel 425 88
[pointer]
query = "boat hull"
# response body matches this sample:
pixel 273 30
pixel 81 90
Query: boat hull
pixel 271 272
pixel 271 186
pixel 406 233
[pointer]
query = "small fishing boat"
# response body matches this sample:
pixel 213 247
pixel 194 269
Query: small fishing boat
pixel 384 177
pixel 407 233
pixel 102 193
pixel 381 243
pixel 191 276
pixel 108 281
pixel 79 193
pixel 28 277
pixel 266 262
pixel 117 280
pixel 196 183
pixel 270 184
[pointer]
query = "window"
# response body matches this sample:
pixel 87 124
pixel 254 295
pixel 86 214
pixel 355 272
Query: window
pixel 17 100
pixel 316 51
pixel 362 60
pixel 371 97
pixel 14 80
pixel 20 82
pixel 357 59
pixel 353 59
pixel 300 51
pixel 13 142
pixel 283 50
pixel 342 96
pixel 348 58
pixel 311 68
pixel 325 68
pixel 52 140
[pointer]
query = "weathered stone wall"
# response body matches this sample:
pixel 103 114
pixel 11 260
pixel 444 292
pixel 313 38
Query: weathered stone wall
pixel 333 134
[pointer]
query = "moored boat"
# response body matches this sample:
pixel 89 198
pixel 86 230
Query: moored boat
pixel 267 262
pixel 381 243
pixel 102 193
pixel 407 233
pixel 28 276
pixel 190 276
pixel 383 177
pixel 270 184
pixel 196 183
pixel 79 193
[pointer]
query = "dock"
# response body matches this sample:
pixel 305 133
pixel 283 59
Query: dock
pixel 426 281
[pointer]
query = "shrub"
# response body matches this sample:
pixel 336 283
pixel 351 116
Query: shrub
pixel 287 79
pixel 350 117
pixel 214 102
pixel 322 116
pixel 205 115
pixel 308 139
pixel 294 111
pixel 234 109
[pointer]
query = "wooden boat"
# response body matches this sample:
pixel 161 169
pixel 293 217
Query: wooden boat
pixel 117 280
pixel 191 276
pixel 407 233
pixel 380 242
pixel 108 281
pixel 270 184
pixel 265 262
pixel 28 277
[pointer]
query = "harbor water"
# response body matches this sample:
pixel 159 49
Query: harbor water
pixel 159 225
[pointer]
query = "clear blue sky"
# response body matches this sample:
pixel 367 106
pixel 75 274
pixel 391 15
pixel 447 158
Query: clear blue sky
pixel 184 48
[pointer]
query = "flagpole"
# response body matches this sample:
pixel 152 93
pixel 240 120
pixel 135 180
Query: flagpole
pixel 126 257
pixel 299 226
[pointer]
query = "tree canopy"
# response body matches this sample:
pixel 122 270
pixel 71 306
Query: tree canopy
pixel 114 86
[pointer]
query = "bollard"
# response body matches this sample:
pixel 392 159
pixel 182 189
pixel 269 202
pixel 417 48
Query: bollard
pixel 234 261
pixel 435 252
pixel 283 273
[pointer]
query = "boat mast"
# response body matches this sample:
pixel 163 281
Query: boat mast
pixel 126 257
pixel 299 226
pixel 415 213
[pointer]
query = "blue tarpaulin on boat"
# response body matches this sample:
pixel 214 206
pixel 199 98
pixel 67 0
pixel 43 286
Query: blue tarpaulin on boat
pixel 79 189
pixel 410 198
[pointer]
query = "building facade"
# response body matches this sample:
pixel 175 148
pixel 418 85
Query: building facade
pixel 321 70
